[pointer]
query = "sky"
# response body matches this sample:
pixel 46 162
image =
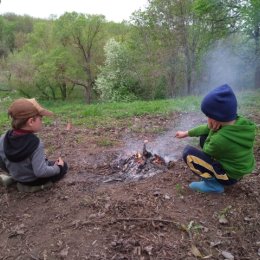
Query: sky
pixel 113 10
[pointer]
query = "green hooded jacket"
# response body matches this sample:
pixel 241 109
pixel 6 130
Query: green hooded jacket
pixel 232 146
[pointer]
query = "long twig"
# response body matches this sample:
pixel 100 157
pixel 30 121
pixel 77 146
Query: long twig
pixel 180 226
pixel 155 220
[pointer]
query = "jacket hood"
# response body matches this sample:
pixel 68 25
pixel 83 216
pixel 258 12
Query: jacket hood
pixel 241 133
pixel 19 147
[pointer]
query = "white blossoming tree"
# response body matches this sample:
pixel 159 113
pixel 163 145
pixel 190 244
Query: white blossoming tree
pixel 116 80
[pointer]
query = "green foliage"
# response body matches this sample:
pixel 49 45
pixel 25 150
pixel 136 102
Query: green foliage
pixel 220 16
pixel 105 142
pixel 59 55
pixel 160 91
pixel 21 69
pixel 115 81
pixel 162 52
pixel 13 31
pixel 251 15
pixel 81 36
pixel 172 42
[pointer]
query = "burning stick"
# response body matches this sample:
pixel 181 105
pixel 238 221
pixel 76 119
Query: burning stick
pixel 158 160
pixel 146 154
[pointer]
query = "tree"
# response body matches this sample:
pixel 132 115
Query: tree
pixel 14 30
pixel 116 81
pixel 250 11
pixel 180 33
pixel 175 33
pixel 234 16
pixel 33 68
pixel 79 34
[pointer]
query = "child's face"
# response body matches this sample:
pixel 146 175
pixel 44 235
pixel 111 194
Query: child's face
pixel 34 124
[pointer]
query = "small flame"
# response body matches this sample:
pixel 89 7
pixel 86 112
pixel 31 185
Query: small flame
pixel 158 159
pixel 139 158
pixel 139 155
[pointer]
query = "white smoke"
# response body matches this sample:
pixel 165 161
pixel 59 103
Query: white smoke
pixel 229 63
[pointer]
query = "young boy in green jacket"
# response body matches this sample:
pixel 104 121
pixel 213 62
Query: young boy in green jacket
pixel 227 143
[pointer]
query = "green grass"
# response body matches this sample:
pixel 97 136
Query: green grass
pixel 93 115
pixel 249 102
pixel 105 142
pixel 105 114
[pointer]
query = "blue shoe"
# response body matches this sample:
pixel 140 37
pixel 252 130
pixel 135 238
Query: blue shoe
pixel 210 185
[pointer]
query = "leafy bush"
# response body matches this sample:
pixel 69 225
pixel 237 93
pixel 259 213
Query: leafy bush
pixel 116 81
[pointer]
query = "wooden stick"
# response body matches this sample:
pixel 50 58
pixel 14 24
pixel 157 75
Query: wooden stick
pixel 153 219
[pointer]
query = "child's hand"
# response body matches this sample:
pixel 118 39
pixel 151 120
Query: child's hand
pixel 60 162
pixel 181 134
pixel 213 124
pixel 62 165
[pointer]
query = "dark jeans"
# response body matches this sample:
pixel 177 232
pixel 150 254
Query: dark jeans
pixel 42 181
pixel 204 166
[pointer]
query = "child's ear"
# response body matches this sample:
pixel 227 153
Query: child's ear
pixel 30 121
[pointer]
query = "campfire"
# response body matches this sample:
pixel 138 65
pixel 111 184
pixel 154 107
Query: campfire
pixel 141 165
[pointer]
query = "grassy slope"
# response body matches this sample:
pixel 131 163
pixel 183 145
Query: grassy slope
pixel 96 115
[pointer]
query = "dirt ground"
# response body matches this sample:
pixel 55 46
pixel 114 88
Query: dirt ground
pixel 93 214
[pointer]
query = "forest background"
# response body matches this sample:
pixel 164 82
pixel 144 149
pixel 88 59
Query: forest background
pixel 172 48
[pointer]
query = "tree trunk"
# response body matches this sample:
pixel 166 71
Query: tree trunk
pixel 257 77
pixel 87 95
pixel 257 55
pixel 188 68
pixel 63 90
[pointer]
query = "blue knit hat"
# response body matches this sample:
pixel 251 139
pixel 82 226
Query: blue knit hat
pixel 220 104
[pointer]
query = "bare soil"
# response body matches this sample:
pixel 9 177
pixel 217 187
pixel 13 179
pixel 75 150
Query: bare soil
pixel 94 214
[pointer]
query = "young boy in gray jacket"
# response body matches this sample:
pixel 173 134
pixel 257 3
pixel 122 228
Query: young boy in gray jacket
pixel 22 152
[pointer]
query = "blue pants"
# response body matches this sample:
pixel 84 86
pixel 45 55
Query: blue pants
pixel 204 166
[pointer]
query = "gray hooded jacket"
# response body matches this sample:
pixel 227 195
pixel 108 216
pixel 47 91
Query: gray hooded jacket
pixel 23 157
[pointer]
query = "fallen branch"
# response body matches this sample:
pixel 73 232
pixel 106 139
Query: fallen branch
pixel 180 226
